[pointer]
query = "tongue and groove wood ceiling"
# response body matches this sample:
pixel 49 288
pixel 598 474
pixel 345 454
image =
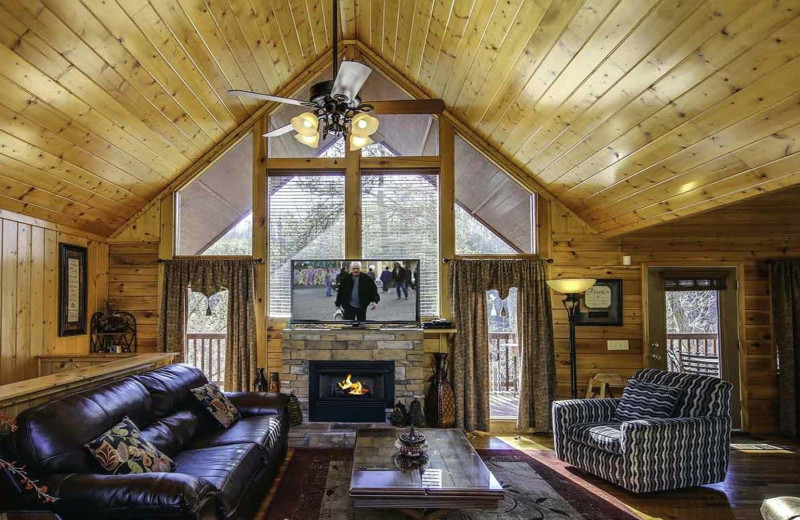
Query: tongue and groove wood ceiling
pixel 630 112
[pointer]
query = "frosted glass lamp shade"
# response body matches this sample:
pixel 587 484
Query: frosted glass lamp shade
pixel 364 125
pixel 305 124
pixel 308 140
pixel 571 285
pixel 357 143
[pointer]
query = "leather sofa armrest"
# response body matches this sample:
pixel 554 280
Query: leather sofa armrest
pixel 259 403
pixel 138 495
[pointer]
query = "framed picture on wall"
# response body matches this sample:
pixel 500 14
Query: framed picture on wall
pixel 71 289
pixel 601 305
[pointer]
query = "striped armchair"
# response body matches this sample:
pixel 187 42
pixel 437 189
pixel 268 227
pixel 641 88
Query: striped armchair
pixel 689 449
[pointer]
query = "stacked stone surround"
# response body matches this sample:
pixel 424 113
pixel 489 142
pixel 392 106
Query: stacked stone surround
pixel 299 346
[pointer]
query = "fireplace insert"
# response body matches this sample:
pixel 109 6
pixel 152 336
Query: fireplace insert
pixel 350 391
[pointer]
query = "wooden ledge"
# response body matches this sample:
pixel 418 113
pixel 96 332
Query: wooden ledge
pixel 37 387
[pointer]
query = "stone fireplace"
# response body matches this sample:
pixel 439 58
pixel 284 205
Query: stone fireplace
pixel 402 349
pixel 350 391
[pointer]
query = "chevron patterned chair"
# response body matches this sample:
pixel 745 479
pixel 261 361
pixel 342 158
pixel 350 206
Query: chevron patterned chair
pixel 689 447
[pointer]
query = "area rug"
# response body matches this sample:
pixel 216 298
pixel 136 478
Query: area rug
pixel 316 483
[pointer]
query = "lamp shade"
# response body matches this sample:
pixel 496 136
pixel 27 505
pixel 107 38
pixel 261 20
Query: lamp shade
pixel 311 141
pixel 571 285
pixel 363 125
pixel 305 124
pixel 357 143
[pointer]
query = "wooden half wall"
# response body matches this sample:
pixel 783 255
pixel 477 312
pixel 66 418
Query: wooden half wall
pixel 29 292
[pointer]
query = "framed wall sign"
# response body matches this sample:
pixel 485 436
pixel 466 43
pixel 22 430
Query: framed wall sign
pixel 601 304
pixel 71 290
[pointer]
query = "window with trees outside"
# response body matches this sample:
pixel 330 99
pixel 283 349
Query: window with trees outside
pixel 306 221
pixel 400 219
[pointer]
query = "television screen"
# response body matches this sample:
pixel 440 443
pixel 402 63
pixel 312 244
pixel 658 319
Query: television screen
pixel 348 291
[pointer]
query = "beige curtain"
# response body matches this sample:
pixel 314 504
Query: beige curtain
pixel 210 277
pixel 785 290
pixel 469 281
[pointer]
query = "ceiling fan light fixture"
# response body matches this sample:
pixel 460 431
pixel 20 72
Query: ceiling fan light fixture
pixel 364 125
pixel 305 124
pixel 359 142
pixel 312 141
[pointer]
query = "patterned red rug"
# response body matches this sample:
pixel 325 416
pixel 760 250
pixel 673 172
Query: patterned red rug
pixel 316 483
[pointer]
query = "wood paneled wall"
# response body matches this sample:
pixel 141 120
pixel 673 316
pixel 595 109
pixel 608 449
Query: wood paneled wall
pixel 29 292
pixel 579 254
pixel 740 235
pixel 133 281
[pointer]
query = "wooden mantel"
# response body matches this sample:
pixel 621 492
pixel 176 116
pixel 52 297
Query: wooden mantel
pixel 16 397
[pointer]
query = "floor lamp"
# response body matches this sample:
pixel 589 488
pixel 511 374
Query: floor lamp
pixel 572 289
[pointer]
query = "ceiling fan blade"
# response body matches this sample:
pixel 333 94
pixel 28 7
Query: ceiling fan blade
pixel 350 79
pixel 279 131
pixel 408 106
pixel 267 97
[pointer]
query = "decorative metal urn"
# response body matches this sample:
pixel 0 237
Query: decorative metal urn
pixel 411 444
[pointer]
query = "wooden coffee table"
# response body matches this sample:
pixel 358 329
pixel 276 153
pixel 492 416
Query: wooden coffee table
pixel 455 476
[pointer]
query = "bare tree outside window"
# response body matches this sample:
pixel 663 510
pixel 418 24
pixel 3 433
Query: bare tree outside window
pixel 692 312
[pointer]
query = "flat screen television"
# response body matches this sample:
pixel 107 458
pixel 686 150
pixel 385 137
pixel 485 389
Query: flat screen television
pixel 323 291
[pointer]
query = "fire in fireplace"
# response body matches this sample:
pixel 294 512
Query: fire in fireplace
pixel 350 391
pixel 349 387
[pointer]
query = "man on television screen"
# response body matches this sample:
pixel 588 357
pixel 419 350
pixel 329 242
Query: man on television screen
pixel 356 293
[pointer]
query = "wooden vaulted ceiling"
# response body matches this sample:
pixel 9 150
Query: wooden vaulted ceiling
pixel 630 112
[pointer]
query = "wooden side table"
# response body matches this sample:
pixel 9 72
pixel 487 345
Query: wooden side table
pixel 604 382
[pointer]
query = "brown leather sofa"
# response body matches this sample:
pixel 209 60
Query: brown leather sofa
pixel 220 473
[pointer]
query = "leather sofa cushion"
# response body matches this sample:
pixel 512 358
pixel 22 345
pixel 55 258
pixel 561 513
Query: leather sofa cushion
pixel 604 436
pixel 259 403
pixel 51 437
pixel 230 469
pixel 137 495
pixel 170 387
pixel 174 432
pixel 262 430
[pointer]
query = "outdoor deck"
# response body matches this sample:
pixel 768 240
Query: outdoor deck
pixel 503 405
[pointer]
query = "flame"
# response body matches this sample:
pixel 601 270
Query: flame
pixel 353 388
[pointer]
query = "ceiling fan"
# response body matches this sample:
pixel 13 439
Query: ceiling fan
pixel 336 107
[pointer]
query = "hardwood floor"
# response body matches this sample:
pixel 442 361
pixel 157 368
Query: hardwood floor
pixel 752 477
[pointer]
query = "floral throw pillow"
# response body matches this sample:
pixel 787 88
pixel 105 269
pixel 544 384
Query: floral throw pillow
pixel 122 450
pixel 215 402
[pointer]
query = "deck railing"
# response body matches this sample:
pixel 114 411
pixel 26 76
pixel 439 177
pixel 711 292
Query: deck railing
pixel 693 353
pixel 504 362
pixel 206 351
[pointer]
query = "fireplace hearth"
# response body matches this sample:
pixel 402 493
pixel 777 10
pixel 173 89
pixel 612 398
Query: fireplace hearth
pixel 350 391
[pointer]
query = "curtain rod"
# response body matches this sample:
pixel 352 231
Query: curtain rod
pixel 256 260
pixel 497 257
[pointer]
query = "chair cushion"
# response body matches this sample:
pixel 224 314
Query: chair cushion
pixel 604 436
pixel 230 469
pixel 215 402
pixel 704 396
pixel 122 450
pixel 647 401
pixel 262 430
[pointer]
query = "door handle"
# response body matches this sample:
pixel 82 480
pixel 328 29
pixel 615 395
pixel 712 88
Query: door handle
pixel 651 355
